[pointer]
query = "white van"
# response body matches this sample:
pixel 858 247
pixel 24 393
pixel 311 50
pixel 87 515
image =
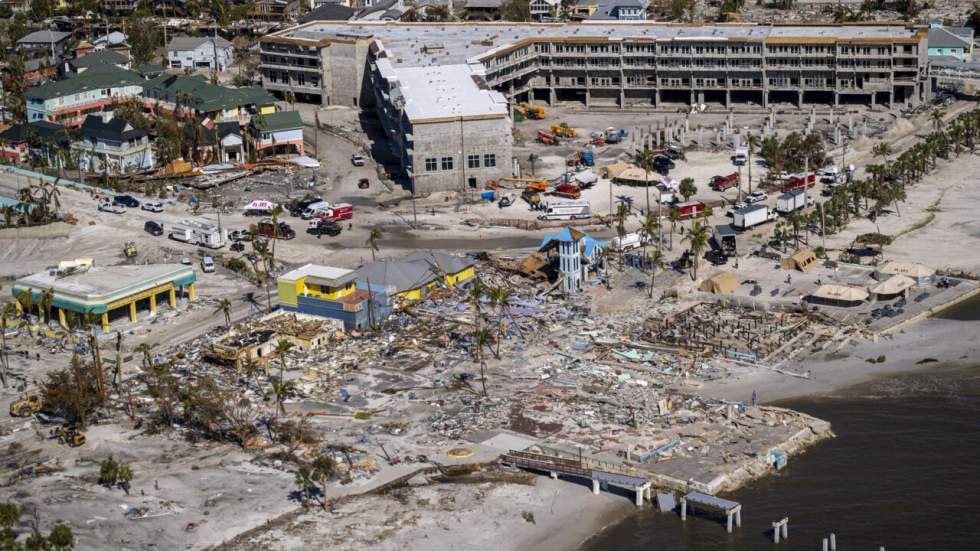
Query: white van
pixel 629 242
pixel 207 264
pixel 566 211
pixel 311 210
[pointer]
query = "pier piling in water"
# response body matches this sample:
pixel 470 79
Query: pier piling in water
pixel 780 526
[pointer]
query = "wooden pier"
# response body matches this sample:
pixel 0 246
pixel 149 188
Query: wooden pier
pixel 556 465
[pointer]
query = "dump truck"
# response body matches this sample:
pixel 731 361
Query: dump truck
pixel 562 130
pixel 26 407
pixel 130 249
pixel 547 138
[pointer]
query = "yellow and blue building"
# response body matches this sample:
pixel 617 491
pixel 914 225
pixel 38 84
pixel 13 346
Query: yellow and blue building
pixel 367 295
pixel 76 288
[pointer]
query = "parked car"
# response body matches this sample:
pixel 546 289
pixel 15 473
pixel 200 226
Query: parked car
pixel 152 206
pixel 331 229
pixel 153 228
pixel 237 246
pixel 716 258
pixel 112 207
pixel 363 183
pixel 126 201
pixel 357 160
pixel 207 264
pixel 186 260
pixel 921 297
pixel 240 235
pixel 298 208
pixel 662 163
pixel 756 197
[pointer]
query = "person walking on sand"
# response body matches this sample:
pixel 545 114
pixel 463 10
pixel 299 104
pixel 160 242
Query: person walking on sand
pixel 753 398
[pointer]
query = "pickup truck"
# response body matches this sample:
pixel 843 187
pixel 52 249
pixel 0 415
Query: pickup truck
pixel 112 207
pixel 722 183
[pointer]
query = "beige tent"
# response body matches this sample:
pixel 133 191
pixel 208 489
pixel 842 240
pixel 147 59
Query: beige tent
pixel 894 285
pixel 637 176
pixel 840 293
pixel 614 170
pixel 803 260
pixel 722 283
pixel 918 272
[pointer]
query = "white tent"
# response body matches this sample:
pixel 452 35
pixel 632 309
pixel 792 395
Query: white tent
pixel 894 285
pixel 260 204
pixel 840 293
pixel 918 272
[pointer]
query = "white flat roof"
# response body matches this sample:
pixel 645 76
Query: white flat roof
pixel 406 43
pixel 446 91
pixel 327 273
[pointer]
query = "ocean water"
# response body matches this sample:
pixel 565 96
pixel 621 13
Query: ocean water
pixel 903 473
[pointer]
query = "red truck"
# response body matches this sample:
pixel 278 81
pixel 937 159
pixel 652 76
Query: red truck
pixel 336 213
pixel 569 191
pixel 795 182
pixel 722 183
pixel 690 209
pixel 269 229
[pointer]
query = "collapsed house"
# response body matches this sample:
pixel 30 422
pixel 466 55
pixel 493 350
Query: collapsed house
pixel 256 339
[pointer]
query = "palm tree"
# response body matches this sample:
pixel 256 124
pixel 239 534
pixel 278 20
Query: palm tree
pixel 936 115
pixel 281 390
pixel 324 467
pixel 794 220
pixel 500 298
pixel 649 228
pixel 656 261
pixel 47 302
pixel 675 218
pixel 622 211
pixel 282 349
pixel 752 142
pixel 8 312
pixel 304 481
pixel 225 308
pixel 144 349
pixel 644 159
pixel 698 237
pixel 687 188
pixel 372 242
pixel 483 338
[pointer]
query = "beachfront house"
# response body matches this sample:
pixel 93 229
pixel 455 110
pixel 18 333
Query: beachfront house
pixel 112 145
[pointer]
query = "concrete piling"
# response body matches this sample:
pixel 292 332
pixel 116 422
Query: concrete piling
pixel 826 545
pixel 833 542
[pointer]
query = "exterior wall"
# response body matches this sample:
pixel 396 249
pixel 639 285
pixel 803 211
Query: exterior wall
pixel 16 152
pixel 281 139
pixel 70 110
pixel 461 276
pixel 959 53
pixel 444 140
pixel 115 157
pixel 201 57
pixel 332 309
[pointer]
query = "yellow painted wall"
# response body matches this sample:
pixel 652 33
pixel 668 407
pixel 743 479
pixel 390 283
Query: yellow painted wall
pixel 461 276
pixel 330 293
pixel 289 290
pixel 267 109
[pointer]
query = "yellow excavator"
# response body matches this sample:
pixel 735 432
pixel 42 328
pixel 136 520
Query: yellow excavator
pixel 130 249
pixel 563 130
pixel 532 111
pixel 67 434
pixel 26 407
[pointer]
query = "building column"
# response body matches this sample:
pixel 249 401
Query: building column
pixel 105 323
pixel 836 99
pixel 552 96
pixel 800 104
pixel 728 528
pixel 132 311
pixel 191 293
pixel 872 99
pixel 622 98
pixel 595 486
pixel 153 305
pixel 61 318
pixel 639 497
pixel 765 99
pixel 728 99
pixel 173 298
pixel 693 101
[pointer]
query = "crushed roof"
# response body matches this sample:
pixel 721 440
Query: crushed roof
pixel 398 275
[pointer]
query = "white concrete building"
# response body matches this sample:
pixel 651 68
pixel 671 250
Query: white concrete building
pixel 191 52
